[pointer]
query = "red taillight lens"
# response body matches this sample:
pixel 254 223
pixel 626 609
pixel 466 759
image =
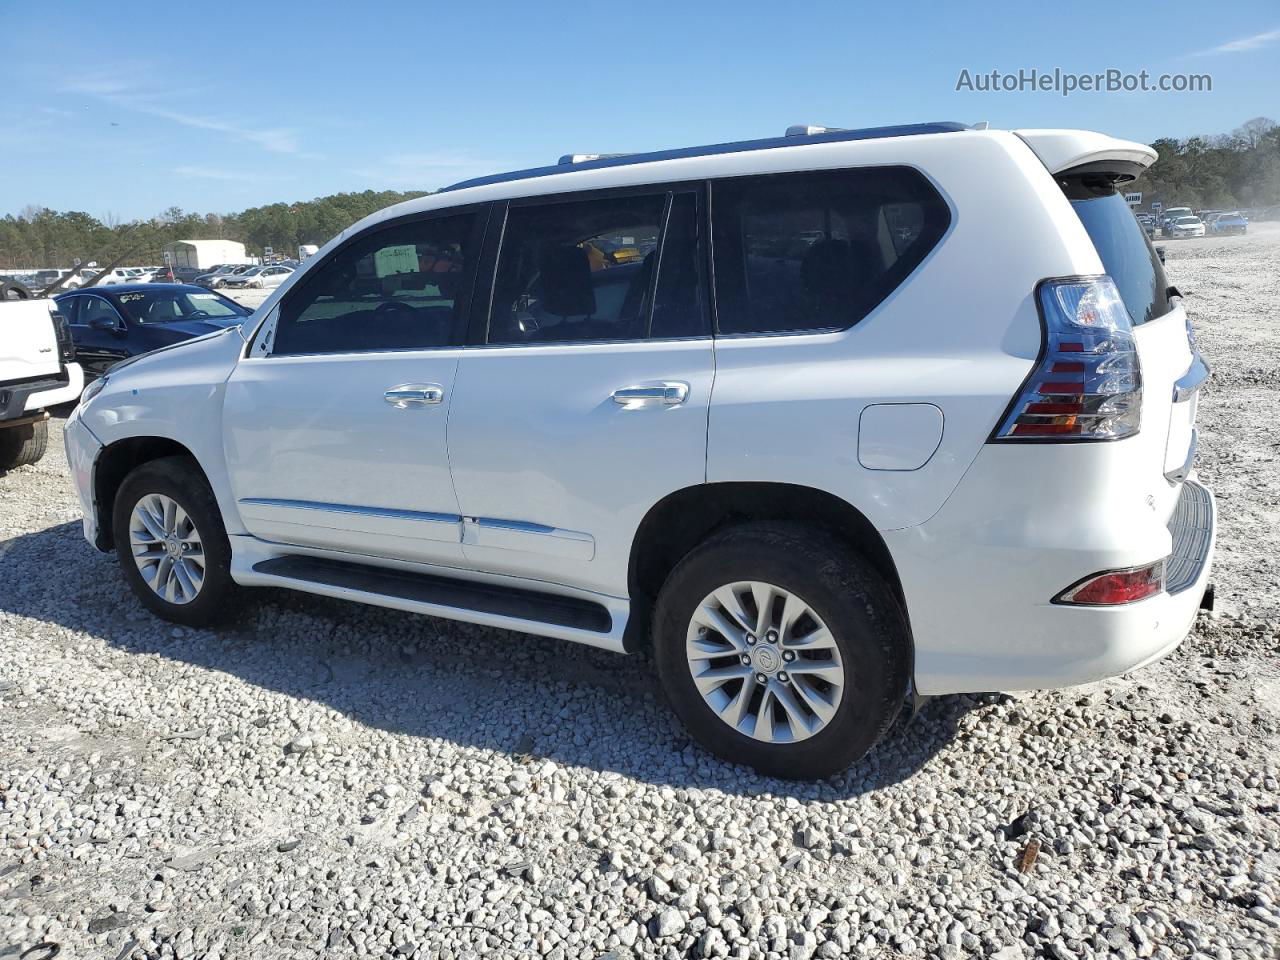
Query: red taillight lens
pixel 1116 586
pixel 1088 385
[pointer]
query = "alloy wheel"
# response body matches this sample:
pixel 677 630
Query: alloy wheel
pixel 167 548
pixel 764 662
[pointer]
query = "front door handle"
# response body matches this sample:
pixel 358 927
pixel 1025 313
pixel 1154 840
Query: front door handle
pixel 414 395
pixel 666 394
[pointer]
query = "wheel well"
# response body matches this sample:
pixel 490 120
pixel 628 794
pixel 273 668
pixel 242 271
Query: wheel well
pixel 679 522
pixel 115 463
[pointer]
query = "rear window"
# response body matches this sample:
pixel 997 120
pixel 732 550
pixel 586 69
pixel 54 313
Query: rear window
pixel 1122 244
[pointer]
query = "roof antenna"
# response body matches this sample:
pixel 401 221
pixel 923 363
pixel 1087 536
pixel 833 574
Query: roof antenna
pixel 981 125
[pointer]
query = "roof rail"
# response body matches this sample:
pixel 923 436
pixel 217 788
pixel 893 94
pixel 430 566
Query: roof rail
pixel 586 157
pixel 571 163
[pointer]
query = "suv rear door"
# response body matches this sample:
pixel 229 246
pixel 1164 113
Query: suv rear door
pixel 584 399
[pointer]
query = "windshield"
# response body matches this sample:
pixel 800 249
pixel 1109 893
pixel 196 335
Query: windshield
pixel 1126 253
pixel 171 306
pixel 252 273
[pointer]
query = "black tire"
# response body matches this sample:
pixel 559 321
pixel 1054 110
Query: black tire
pixel 24 445
pixel 13 290
pixel 180 479
pixel 855 603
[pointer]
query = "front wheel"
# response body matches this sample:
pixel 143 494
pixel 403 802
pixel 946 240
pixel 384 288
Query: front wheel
pixel 781 648
pixel 171 542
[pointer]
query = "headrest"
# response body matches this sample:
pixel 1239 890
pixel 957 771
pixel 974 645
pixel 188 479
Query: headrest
pixel 566 282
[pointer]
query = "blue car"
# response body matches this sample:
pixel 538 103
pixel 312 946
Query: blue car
pixel 1229 223
pixel 110 324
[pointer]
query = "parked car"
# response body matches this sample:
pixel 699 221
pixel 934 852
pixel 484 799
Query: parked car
pixel 1173 213
pixel 1184 227
pixel 37 371
pixel 113 324
pixel 219 274
pixel 1225 224
pixel 259 277
pixel 176 275
pixel 813 474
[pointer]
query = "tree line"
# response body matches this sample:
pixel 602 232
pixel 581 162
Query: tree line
pixel 1229 171
pixel 1239 169
pixel 39 237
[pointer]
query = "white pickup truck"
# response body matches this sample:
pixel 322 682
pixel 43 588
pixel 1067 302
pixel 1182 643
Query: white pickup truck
pixel 37 371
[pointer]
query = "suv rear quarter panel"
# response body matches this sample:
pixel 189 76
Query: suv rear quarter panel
pixel 960 333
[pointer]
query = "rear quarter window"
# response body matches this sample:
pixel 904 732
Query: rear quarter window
pixel 818 251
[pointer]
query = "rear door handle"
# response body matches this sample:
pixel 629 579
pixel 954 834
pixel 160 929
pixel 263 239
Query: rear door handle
pixel 414 395
pixel 665 394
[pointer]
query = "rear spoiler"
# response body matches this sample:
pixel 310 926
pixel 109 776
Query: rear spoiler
pixel 1072 152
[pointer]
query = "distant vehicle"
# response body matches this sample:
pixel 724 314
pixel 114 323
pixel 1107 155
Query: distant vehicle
pixel 176 275
pixel 1226 224
pixel 1172 214
pixel 1184 227
pixel 307 250
pixel 113 324
pixel 259 277
pixel 220 274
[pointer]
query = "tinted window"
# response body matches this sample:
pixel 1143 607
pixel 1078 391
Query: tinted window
pixel 398 288
pixel 169 306
pixel 96 308
pixel 1126 253
pixel 818 251
pixel 69 307
pixel 578 270
pixel 679 304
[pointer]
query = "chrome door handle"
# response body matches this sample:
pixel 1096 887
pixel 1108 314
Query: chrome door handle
pixel 414 395
pixel 667 394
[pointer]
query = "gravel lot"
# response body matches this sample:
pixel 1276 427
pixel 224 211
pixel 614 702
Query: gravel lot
pixel 325 779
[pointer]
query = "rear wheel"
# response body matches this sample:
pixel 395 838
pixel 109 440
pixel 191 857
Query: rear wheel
pixel 172 546
pixel 779 647
pixel 24 445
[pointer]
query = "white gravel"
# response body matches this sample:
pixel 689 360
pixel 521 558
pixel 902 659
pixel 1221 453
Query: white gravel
pixel 325 779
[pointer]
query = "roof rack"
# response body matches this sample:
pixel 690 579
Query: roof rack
pixel 799 135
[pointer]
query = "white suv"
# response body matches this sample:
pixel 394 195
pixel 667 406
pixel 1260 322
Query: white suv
pixel 822 419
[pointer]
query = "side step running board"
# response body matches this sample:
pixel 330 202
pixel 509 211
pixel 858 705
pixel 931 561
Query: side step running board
pixel 463 595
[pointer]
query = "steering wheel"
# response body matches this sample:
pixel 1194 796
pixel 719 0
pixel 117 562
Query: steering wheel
pixel 388 307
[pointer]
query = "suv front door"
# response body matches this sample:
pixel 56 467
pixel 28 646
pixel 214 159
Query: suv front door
pixel 334 424
pixel 584 400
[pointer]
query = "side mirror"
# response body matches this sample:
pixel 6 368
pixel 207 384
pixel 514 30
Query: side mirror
pixel 103 322
pixel 1160 253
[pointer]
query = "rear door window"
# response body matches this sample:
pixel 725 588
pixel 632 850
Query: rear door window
pixel 817 251
pixel 618 267
pixel 1127 255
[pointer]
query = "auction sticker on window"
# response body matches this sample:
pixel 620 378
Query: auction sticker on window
pixel 398 259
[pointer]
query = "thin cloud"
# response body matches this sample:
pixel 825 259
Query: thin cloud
pixel 1244 45
pixel 124 90
pixel 424 171
pixel 213 173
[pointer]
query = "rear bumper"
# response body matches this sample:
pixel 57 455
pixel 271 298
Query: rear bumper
pixel 993 627
pixel 20 399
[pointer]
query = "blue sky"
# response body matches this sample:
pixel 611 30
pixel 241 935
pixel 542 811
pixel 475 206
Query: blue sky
pixel 126 109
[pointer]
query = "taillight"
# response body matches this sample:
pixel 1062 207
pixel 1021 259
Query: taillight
pixel 66 346
pixel 1088 385
pixel 1116 586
